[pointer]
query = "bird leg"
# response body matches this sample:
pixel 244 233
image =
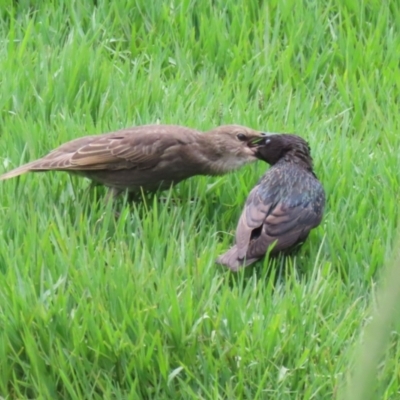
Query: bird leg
pixel 112 194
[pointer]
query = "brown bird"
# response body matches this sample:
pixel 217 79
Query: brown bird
pixel 282 208
pixel 150 157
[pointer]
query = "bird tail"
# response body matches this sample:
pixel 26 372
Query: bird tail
pixel 19 171
pixel 230 259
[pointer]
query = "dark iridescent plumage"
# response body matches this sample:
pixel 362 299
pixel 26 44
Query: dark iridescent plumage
pixel 283 207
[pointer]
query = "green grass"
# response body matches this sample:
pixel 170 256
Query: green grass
pixel 97 308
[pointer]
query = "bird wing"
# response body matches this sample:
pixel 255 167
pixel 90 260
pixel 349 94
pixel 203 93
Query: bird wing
pixel 253 215
pixel 117 153
pixel 129 148
pixel 252 218
pixel 286 225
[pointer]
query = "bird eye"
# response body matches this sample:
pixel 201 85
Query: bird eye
pixel 267 141
pixel 241 136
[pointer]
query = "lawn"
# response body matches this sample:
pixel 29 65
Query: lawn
pixel 98 307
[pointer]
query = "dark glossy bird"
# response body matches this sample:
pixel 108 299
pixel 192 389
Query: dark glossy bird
pixel 282 208
pixel 150 157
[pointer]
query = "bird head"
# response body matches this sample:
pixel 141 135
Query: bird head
pixel 236 139
pixel 275 146
pixel 231 146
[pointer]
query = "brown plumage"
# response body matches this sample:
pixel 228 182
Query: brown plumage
pixel 282 208
pixel 150 157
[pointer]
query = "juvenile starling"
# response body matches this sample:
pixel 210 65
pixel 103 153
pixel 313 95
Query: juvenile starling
pixel 283 207
pixel 150 157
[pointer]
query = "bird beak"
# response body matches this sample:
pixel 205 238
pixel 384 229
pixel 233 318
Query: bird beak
pixel 256 141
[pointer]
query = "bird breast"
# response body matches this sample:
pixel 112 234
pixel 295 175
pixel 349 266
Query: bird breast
pixel 230 162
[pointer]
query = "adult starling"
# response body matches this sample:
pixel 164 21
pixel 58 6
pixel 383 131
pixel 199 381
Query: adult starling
pixel 283 207
pixel 150 157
